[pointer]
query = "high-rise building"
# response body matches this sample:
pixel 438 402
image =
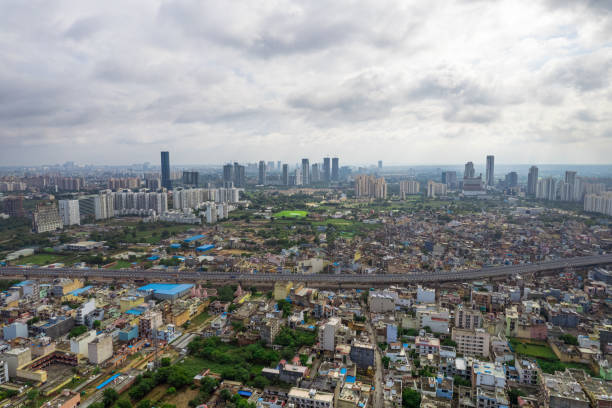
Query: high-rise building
pixel 165 170
pixel 315 174
pixel 285 174
pixel 511 179
pixel 435 189
pixel 191 178
pixel 305 172
pixel 278 165
pixel 228 174
pixel 69 212
pixel 262 173
pixel 335 175
pixel 547 189
pixel 239 176
pixel 13 206
pixel 326 169
pixel 380 165
pixel 270 166
pixel 469 172
pixel 46 217
pixel 532 180
pixel 490 173
pixel 298 177
pixel 450 179
pixel 409 187
pixel 370 186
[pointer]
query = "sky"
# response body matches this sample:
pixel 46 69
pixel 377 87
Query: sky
pixel 406 82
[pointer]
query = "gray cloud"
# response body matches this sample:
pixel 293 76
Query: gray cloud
pixel 355 79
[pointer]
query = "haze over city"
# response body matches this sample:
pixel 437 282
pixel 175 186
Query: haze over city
pixel 408 82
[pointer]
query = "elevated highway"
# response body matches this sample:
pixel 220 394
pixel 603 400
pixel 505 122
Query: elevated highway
pixel 195 276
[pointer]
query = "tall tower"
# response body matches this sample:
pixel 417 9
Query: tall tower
pixel 532 180
pixel 468 172
pixel 239 177
pixel 165 170
pixel 380 165
pixel 490 175
pixel 305 172
pixel 326 169
pixel 335 175
pixel 228 174
pixel 285 174
pixel 262 173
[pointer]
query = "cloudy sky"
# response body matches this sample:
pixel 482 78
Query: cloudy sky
pixel 409 82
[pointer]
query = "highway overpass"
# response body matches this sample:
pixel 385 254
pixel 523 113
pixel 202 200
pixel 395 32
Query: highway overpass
pixel 194 276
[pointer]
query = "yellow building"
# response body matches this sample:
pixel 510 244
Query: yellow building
pixel 179 317
pixel 282 290
pixel 130 302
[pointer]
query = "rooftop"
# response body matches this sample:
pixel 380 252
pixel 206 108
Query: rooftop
pixel 166 288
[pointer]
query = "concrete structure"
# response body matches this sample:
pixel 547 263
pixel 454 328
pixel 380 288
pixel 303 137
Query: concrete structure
pixel 4 374
pixel 362 354
pixel 69 212
pixel 562 391
pixel 16 358
pixel 532 180
pixel 305 172
pixel 335 173
pixel 67 399
pixel 472 342
pixel 435 189
pixel 46 217
pixel 149 321
pixel 80 344
pixel 409 187
pixel 262 173
pixel 15 330
pixel 303 398
pixel 165 170
pixel 466 318
pixel 425 295
pixel 329 330
pixel 490 172
pixel 380 302
pixel 100 349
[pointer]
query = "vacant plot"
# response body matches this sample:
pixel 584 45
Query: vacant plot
pixel 44 259
pixel 529 349
pixel 291 214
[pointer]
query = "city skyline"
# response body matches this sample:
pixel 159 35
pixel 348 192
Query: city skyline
pixel 378 82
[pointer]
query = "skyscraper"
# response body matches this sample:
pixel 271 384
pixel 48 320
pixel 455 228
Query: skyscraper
pixel 380 165
pixel 228 174
pixel 335 169
pixel 490 174
pixel 165 170
pixel 285 174
pixel 305 172
pixel 532 180
pixel 315 174
pixel 262 173
pixel 468 172
pixel 326 169
pixel 278 165
pixel 239 177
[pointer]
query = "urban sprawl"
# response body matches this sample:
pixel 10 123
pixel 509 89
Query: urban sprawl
pixel 311 332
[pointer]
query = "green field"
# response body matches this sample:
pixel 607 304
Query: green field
pixel 44 259
pixel 291 214
pixel 533 350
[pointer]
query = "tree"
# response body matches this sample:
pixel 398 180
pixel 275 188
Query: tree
pixel 225 395
pixel 569 339
pixel 385 361
pixel 171 390
pixel 165 362
pixel 411 398
pixel 144 404
pixel 109 397
pixel 514 393
pixel 76 331
pixel 124 403
pixel 97 324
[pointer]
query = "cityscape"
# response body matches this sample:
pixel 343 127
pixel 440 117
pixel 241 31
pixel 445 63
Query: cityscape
pixel 287 204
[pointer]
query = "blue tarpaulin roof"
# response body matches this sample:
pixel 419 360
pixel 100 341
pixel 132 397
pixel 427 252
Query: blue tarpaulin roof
pixel 136 312
pixel 153 258
pixel 175 246
pixel 194 238
pixel 77 292
pixel 166 288
pixel 244 393
pixel 205 248
pixel 105 383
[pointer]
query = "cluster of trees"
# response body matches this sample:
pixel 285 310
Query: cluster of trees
pixel 207 386
pixel 237 363
pixel 226 293
pixel 17 234
pixel 411 398
pixel 76 331
pixel 293 339
pixel 569 339
pixel 285 306
pixel 174 375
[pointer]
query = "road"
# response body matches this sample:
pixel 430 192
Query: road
pixel 195 276
pixel 377 398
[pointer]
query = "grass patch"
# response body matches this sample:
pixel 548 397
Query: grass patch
pixel 44 259
pixel 538 350
pixel 199 319
pixel 291 214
